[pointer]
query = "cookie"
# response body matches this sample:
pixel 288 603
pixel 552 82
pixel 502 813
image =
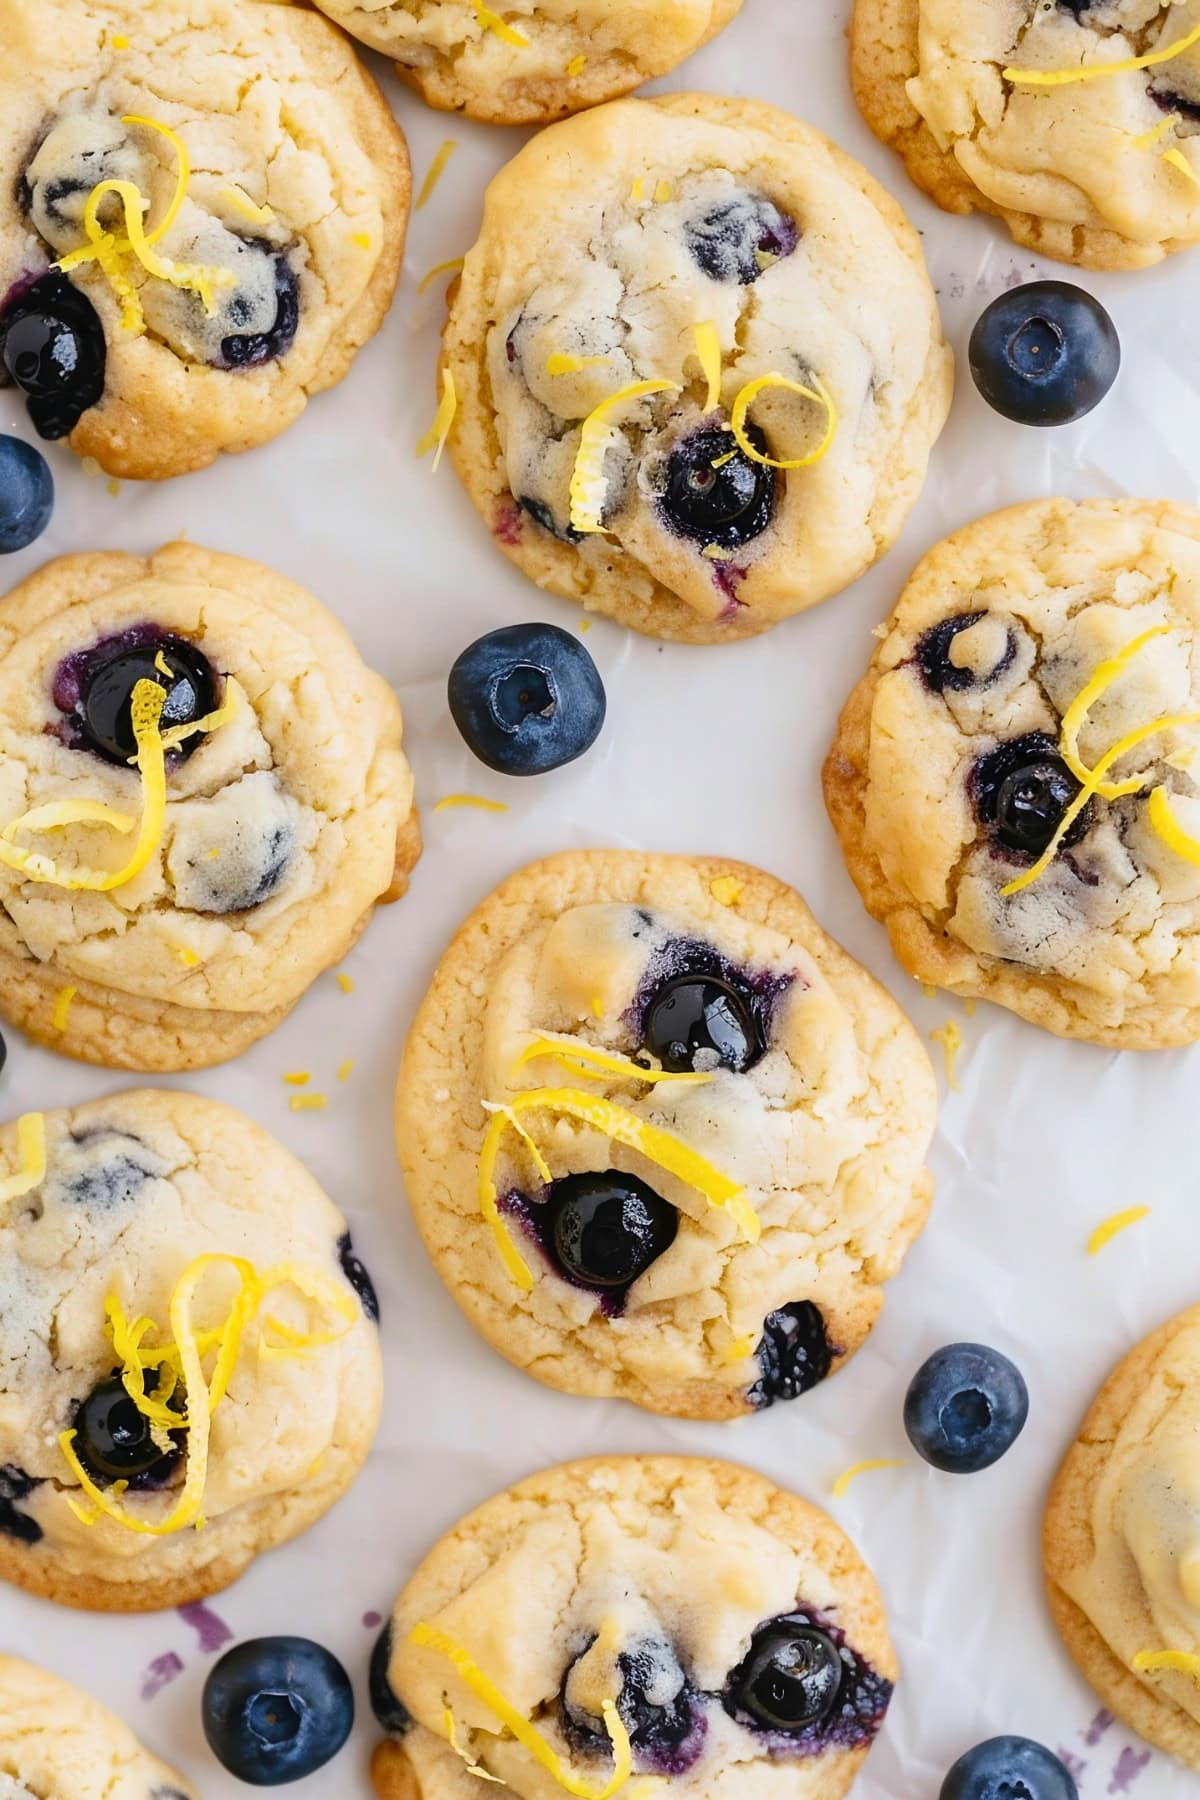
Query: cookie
pixel 774 301
pixel 1121 1540
pixel 54 1739
pixel 662 1137
pixel 1012 780
pixel 1091 162
pixel 713 1629
pixel 168 924
pixel 539 61
pixel 163 1259
pixel 202 215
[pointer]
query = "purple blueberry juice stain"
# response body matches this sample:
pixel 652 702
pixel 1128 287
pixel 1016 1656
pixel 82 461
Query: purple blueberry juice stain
pixel 1074 1765
pixel 372 1620
pixel 727 577
pixel 1129 1765
pixel 506 523
pixel 212 1632
pixel 160 1674
pixel 533 1216
pixel 1099 1725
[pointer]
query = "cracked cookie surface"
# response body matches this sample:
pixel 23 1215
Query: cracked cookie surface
pixel 294 213
pixel 1121 1538
pixel 135 1187
pixel 605 243
pixel 55 1739
pixel 573 53
pixel 795 1078
pixel 283 825
pixel 662 1585
pixel 951 774
pixel 1076 170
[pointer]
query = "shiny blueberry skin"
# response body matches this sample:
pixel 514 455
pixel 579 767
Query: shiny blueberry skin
pixel 252 350
pixel 727 505
pixel 966 1406
pixel 1021 791
pixel 700 1022
pixel 26 494
pixel 53 347
pixel 794 1354
pixel 356 1274
pixel 791 1677
pixel 727 242
pixel 1045 353
pixel 391 1712
pixel 666 1739
pixel 1009 1768
pixel 943 676
pixel 277 1708
pixel 527 699
pixel 606 1230
pixel 106 693
pixel 113 1439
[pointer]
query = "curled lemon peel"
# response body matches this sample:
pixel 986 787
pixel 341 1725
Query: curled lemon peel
pixel 30 1171
pixel 437 169
pixel 708 350
pixel 1163 819
pixel 429 1637
pixel 492 22
pixel 749 394
pixel 595 438
pixel 1117 1222
pixel 843 1481
pixel 479 802
pixel 1076 714
pixel 1146 139
pixel 1179 161
pixel 450 1727
pixel 1094 71
pixel 591 1060
pixel 443 420
pixel 452 266
pixel 240 201
pixel 651 1141
pixel 1180 1662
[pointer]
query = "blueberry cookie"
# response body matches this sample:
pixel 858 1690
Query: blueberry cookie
pixel 1071 120
pixel 191 1347
pixel 1121 1541
pixel 202 216
pixel 202 797
pixel 1013 781
pixel 662 1137
pixel 697 365
pixel 56 1740
pixel 531 61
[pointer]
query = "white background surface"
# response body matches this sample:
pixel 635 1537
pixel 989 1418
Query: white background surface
pixel 1043 1140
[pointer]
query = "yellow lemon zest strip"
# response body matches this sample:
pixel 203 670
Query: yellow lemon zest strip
pixel 345 982
pixel 345 1069
pixel 479 801
pixel 213 721
pixel 708 349
pixel 1145 139
pixel 437 169
pixel 1179 161
pixel 1093 71
pixel 1183 1662
pixel 597 1062
pixel 443 420
pixel 62 1008
pixel 746 399
pixel 1170 830
pixel 494 23
pixel 577 65
pixel 428 1637
pixel 563 364
pixel 31 1158
pixel 587 477
pixel 663 192
pixel 298 1077
pixel 863 1468
pixel 638 190
pixel 1076 714
pixel 951 1039
pixel 58 813
pixel 241 202
pixel 308 1103
pixel 473 1767
pixel 1109 1228
pixel 453 265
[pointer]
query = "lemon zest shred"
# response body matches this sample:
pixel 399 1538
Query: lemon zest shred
pixel 361 238
pixel 1075 717
pixel 480 802
pixel 737 1350
pixel 951 1039
pixel 472 1767
pixel 561 363
pixel 1179 161
pixel 437 169
pixel 708 349
pixel 30 1171
pixel 843 1481
pixel 496 25
pixel 62 1008
pixel 119 41
pixel 726 890
pixel 308 1102
pixel 663 192
pixel 187 956
pixel 454 265
pixel 1182 1662
pixel 443 421
pixel 638 190
pixel 298 1077
pixel 240 201
pixel 163 666
pixel 1093 71
pixel 1117 1222
pixel 1163 819
pixel 597 1062
pixel 595 437
pixel 345 982
pixel 345 1069
pixel 1146 139
pixel 749 394
pixel 577 65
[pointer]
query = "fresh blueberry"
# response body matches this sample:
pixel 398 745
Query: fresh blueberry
pixel 607 1229
pixel 116 1442
pixel 701 1022
pixel 965 1407
pixel 941 674
pixel 251 350
pixel 53 347
pixel 1021 791
pixel 794 1355
pixel 106 695
pixel 277 1708
pixel 791 1677
pixel 658 1707
pixel 1009 1768
pixel 26 494
pixel 527 698
pixel 391 1712
pixel 715 493
pixel 1045 353
pixel 741 238
pixel 357 1276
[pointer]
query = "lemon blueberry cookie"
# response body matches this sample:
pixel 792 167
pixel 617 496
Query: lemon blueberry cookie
pixel 1071 120
pixel 202 797
pixel 190 1351
pixel 693 367
pixel 202 216
pixel 531 61
pixel 56 1740
pixel 1121 1541
pixel 664 1617
pixel 662 1137
pixel 1013 779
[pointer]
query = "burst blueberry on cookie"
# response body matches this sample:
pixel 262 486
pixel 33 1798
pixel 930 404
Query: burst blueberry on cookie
pixel 693 368
pixel 56 1740
pixel 202 215
pixel 194 1377
pixel 662 1137
pixel 1012 780
pixel 202 798
pixel 622 1622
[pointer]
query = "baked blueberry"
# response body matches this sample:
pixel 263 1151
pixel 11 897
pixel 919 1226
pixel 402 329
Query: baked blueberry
pixel 715 493
pixel 53 347
pixel 794 1354
pixel 1021 791
pixel 357 1276
pixel 275 1709
pixel 26 494
pixel 702 1022
pixel 16 1485
pixel 741 238
pixel 1045 353
pixel 391 1712
pixel 606 1230
pixel 527 698
pixel 966 1405
pixel 1009 1768
pixel 790 1679
pixel 251 350
pixel 935 657
pixel 104 686
pixel 543 515
pixel 116 1442
pixel 658 1707
pixel 1169 100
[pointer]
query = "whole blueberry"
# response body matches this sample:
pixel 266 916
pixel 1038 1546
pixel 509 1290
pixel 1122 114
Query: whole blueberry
pixel 117 1442
pixel 794 1354
pixel 107 695
pixel 386 1704
pixel 1021 791
pixel 26 494
pixel 275 1709
pixel 935 657
pixel 252 350
pixel 53 347
pixel 715 493
pixel 965 1407
pixel 1045 353
pixel 527 698
pixel 740 238
pixel 700 1022
pixel 790 1678
pixel 1009 1768
pixel 607 1229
